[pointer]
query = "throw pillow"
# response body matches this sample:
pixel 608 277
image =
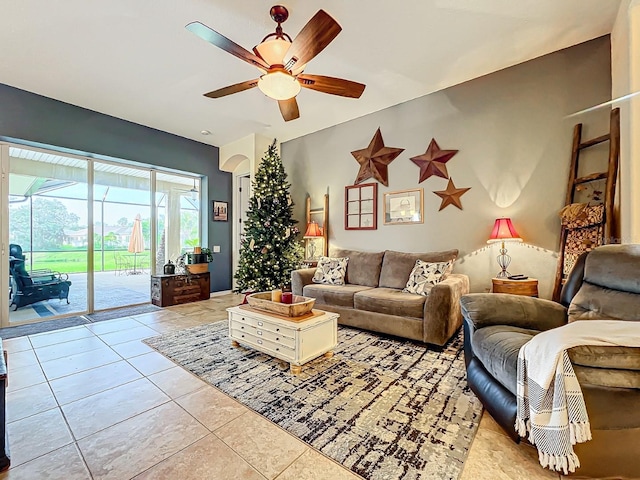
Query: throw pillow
pixel 425 275
pixel 331 270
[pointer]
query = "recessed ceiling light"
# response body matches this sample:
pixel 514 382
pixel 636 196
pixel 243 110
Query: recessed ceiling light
pixel 205 132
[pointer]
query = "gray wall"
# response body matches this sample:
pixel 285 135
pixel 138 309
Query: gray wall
pixel 32 119
pixel 514 147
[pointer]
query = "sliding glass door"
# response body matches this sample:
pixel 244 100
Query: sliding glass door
pixel 47 226
pixel 178 216
pixel 122 235
pixel 82 235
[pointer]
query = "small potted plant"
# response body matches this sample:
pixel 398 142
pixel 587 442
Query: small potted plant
pixel 198 261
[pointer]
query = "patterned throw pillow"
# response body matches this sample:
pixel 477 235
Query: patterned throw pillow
pixel 331 270
pixel 425 275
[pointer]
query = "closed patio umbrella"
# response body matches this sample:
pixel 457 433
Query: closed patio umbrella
pixel 136 242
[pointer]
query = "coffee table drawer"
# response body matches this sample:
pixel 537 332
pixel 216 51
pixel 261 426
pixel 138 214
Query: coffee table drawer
pixel 265 334
pixel 272 348
pixel 263 325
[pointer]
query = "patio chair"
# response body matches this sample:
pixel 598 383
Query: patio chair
pixel 34 286
pixel 123 265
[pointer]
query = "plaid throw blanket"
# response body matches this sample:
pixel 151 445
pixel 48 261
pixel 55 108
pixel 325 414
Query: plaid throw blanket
pixel 551 407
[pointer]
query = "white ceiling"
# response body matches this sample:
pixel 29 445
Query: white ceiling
pixel 135 60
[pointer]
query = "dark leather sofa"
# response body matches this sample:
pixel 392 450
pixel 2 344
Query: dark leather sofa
pixel 604 284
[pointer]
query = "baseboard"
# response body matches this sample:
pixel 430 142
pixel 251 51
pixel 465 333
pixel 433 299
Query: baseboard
pixel 219 294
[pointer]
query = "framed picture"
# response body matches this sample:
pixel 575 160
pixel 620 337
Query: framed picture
pixel 220 210
pixel 361 206
pixel 403 207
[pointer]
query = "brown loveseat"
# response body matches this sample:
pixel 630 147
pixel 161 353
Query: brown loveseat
pixel 372 297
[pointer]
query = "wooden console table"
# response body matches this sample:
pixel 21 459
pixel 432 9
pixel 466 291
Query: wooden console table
pixel 167 290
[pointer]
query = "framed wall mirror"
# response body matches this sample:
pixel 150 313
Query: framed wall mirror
pixel 361 207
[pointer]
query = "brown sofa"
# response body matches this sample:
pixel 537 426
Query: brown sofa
pixel 372 297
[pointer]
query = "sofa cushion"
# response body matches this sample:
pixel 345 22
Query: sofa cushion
pixel 337 295
pixel 625 358
pixel 607 377
pixel 397 266
pixel 363 267
pixel 615 267
pixel 331 270
pixel 425 275
pixel 497 348
pixel 390 301
pixel 593 302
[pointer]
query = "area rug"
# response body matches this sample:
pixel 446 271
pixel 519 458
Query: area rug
pixel 122 312
pixel 382 407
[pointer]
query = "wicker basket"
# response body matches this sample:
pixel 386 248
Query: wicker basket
pixel 198 267
pixel 300 306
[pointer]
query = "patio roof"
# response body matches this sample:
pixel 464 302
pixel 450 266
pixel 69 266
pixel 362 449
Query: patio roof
pixel 40 173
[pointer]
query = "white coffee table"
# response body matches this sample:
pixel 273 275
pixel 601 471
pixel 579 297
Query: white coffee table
pixel 296 342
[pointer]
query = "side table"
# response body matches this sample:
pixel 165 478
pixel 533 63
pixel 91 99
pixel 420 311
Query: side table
pixel 528 287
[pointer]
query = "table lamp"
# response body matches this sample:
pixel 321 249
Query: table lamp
pixel 313 232
pixel 503 230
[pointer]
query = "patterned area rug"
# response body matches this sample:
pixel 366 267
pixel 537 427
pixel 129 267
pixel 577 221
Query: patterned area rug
pixel 384 408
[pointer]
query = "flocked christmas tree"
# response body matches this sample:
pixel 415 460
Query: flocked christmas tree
pixel 269 250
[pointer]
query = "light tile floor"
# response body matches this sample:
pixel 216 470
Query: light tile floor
pixel 95 402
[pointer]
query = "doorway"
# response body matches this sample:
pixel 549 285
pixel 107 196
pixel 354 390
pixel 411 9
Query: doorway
pixel 243 189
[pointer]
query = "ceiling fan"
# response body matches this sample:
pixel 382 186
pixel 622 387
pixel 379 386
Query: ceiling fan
pixel 192 193
pixel 282 61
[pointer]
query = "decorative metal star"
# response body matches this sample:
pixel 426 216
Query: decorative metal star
pixel 451 196
pixel 374 160
pixel 433 161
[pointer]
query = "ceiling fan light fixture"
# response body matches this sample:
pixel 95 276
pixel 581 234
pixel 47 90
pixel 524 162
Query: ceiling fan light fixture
pixel 279 85
pixel 273 50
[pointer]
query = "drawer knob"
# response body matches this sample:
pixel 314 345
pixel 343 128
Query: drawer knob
pixel 260 341
pixel 277 329
pixel 242 327
pixel 277 349
pixel 243 319
pixel 260 324
pixel 242 336
pixel 277 339
pixel 259 332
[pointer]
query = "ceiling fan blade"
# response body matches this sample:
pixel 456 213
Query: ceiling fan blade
pixel 331 85
pixel 238 87
pixel 289 109
pixel 220 41
pixel 312 39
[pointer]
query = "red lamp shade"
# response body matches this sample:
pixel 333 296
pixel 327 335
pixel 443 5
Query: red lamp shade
pixel 313 230
pixel 502 230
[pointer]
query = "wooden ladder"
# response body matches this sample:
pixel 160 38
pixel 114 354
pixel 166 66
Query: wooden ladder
pixel 611 176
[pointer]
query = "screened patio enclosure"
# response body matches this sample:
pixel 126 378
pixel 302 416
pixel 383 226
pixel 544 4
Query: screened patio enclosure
pixel 75 218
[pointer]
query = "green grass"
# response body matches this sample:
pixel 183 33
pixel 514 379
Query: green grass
pixel 76 261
